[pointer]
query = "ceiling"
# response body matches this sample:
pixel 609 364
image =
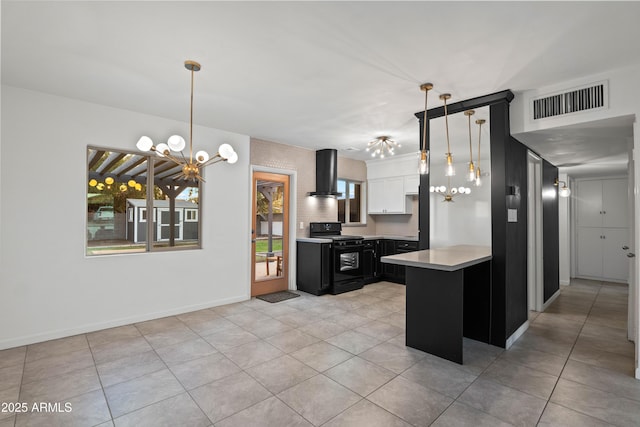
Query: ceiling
pixel 317 74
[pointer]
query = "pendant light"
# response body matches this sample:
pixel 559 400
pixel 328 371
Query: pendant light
pixel 423 166
pixel 472 170
pixel 479 122
pixel 449 169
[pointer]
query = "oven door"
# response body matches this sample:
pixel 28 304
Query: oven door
pixel 347 262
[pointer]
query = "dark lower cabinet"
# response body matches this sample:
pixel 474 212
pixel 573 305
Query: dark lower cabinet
pixel 314 266
pixel 371 261
pixel 397 273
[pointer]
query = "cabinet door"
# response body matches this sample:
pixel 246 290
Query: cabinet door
pixel 614 202
pixel 394 194
pixel 376 200
pixel 589 248
pixel 589 203
pixel 411 184
pixel 615 262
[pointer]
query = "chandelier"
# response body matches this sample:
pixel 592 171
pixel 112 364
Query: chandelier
pixel 449 192
pixel 423 166
pixel 382 145
pixel 193 164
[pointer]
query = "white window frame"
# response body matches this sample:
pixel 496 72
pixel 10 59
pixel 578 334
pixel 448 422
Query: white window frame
pixel 188 213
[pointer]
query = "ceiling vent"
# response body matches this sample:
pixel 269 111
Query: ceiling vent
pixel 594 96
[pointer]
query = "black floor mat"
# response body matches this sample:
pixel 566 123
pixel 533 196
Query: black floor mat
pixel 278 296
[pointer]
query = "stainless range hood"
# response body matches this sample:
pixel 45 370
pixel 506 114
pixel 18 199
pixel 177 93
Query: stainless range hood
pixel 326 173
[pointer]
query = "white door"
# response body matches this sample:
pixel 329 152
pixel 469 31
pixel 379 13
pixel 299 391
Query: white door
pixel 589 241
pixel 614 202
pixel 589 203
pixel 615 264
pixel 164 222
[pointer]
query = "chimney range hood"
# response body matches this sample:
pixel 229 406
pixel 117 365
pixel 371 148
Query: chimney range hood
pixel 326 174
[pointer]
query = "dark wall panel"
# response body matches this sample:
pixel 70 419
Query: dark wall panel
pixel 516 268
pixel 550 230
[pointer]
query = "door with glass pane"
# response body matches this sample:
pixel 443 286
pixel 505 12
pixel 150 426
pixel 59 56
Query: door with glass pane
pixel 270 233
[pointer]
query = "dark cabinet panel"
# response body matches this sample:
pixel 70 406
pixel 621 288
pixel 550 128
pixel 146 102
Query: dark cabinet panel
pixel 371 261
pixel 314 267
pixel 391 272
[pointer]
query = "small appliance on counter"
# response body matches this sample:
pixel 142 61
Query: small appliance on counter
pixel 334 265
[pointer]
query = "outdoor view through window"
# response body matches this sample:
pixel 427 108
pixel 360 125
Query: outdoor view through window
pixel 118 220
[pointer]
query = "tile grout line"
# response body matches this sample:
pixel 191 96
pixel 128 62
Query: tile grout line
pixel 569 356
pixel 104 394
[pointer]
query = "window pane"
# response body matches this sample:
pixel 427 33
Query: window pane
pixel 354 202
pixel 177 194
pixel 342 188
pixel 111 182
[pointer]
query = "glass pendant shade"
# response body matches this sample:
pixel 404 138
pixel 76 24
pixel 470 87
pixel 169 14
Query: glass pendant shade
pixel 225 151
pixel 478 178
pixel 162 150
pixel 202 156
pixel 144 143
pixel 564 192
pixel 233 158
pixel 449 170
pixel 423 165
pixel 472 172
pixel 176 143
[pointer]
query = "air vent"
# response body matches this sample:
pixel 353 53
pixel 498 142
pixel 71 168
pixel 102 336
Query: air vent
pixel 589 97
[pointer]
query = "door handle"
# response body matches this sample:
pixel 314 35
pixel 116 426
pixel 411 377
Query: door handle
pixel 631 255
pixel 624 248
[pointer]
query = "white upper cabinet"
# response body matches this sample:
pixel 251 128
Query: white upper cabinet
pixel 387 196
pixel 390 181
pixel 602 203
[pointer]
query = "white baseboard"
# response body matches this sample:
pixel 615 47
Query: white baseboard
pixel 92 327
pixel 638 373
pixel 517 334
pixel 565 282
pixel 551 300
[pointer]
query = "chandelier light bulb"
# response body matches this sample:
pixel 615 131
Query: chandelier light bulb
pixel 132 183
pixel 144 143
pixel 449 169
pixel 93 182
pixel 138 186
pixel 225 151
pixel 176 143
pixel 233 158
pixel 162 150
pixel 108 180
pixel 202 156
pixel 123 187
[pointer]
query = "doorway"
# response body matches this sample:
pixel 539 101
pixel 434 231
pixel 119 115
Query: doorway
pixel 534 233
pixel 269 233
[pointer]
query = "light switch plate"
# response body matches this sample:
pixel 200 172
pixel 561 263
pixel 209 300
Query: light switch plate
pixel 301 225
pixel 512 215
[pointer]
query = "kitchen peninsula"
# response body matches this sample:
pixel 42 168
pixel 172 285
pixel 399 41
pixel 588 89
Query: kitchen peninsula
pixel 448 297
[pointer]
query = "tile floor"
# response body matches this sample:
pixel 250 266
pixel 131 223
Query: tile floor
pixel 332 361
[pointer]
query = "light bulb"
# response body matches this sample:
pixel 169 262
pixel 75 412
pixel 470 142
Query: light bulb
pixel 454 191
pixel 564 191
pixel 162 150
pixel 472 172
pixel 461 190
pixel 100 186
pixel 443 188
pixel 225 151
pixel 432 189
pixel 123 187
pixel 449 170
pixel 138 186
pixel 108 180
pixel 202 156
pixel 93 183
pixel 467 190
pixel 233 158
pixel 176 143
pixel 478 179
pixel 423 165
pixel 131 183
pixel 144 143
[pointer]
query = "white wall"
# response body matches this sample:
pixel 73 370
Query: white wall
pixel 565 233
pixel 49 287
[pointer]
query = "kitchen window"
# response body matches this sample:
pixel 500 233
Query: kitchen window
pixel 350 202
pixel 118 203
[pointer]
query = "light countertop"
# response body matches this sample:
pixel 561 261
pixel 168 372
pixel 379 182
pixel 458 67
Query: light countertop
pixel 450 258
pixel 313 240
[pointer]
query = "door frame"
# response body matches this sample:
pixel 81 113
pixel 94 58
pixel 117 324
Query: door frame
pixel 535 272
pixel 293 215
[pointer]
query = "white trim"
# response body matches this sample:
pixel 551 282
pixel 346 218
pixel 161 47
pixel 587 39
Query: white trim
pixel 551 300
pixel 565 282
pixel 92 327
pixel 517 334
pixel 293 216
